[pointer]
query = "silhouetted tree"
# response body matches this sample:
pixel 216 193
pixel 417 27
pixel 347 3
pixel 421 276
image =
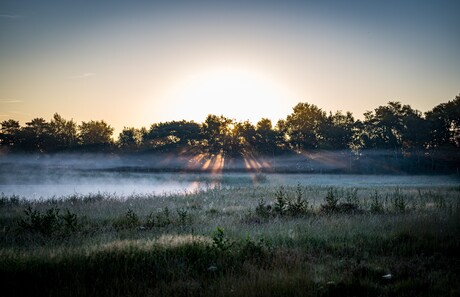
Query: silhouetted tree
pixel 64 132
pixel 444 123
pixel 130 138
pixel 95 133
pixel 173 135
pixel 36 136
pixel 217 133
pixel 383 127
pixel 9 134
pixel 337 131
pixel 453 113
pixel 303 126
pixel 400 134
pixel 265 137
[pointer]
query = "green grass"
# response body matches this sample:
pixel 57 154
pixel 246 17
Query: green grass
pixel 235 242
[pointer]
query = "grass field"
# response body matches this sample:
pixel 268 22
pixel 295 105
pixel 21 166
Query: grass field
pixel 236 241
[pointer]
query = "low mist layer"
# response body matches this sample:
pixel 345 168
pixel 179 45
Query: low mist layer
pixel 45 176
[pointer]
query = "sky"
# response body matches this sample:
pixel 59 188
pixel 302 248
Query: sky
pixel 134 63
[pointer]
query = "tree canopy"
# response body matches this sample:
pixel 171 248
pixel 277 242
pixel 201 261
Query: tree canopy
pixel 394 127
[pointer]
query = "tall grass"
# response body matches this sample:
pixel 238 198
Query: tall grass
pixel 239 241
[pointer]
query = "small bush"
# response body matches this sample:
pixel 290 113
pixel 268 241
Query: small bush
pixel 376 204
pixel 332 198
pixel 70 221
pixel 351 196
pixel 50 222
pixel 399 201
pixel 129 221
pixel 183 216
pixel 163 218
pixel 280 201
pixel 13 200
pixel 332 204
pixel 299 206
pixel 263 210
pixel 219 241
pixel 254 250
pixel 331 201
pixel 150 221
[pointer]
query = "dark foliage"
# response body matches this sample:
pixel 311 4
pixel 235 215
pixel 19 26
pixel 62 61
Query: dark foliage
pixel 393 137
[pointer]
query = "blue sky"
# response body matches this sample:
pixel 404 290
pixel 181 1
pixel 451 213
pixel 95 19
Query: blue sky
pixel 138 62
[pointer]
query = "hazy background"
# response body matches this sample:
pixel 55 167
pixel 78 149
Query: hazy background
pixel 43 177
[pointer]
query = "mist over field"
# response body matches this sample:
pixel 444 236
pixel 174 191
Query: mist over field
pixel 46 176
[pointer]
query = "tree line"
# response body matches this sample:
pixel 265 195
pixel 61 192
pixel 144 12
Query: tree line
pixel 395 128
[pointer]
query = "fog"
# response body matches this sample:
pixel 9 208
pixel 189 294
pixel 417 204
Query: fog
pixel 45 176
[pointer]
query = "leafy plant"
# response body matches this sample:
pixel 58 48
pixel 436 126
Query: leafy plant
pixel 280 201
pixel 129 221
pixel 219 241
pixel 46 223
pixel 399 201
pixel 263 210
pixel 50 222
pixel 183 215
pixel 150 221
pixel 351 196
pixel 299 206
pixel 253 250
pixel 163 218
pixel 376 204
pixel 70 221
pixel 332 198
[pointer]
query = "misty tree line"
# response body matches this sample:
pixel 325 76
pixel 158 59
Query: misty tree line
pixel 396 128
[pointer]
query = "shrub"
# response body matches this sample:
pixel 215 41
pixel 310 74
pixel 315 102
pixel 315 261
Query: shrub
pixel 376 204
pixel 253 250
pixel 46 223
pixel 399 201
pixel 163 218
pixel 263 210
pixel 299 206
pixel 280 201
pixel 150 221
pixel 183 215
pixel 219 241
pixel 351 196
pixel 50 222
pixel 332 198
pixel 70 221
pixel 129 221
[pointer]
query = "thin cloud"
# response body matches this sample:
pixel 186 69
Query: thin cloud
pixel 10 101
pixel 19 112
pixel 84 75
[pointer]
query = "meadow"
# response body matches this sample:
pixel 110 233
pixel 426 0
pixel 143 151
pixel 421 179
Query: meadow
pixel 241 240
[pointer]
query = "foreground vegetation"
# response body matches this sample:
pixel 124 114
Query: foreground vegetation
pixel 249 241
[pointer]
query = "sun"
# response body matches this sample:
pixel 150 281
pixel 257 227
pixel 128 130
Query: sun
pixel 235 93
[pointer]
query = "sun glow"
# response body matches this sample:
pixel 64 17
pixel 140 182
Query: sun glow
pixel 234 93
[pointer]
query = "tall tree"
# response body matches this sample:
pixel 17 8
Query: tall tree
pixel 64 132
pixel 303 126
pixel 266 137
pixel 173 135
pixel 130 138
pixel 95 133
pixel 243 138
pixel 36 136
pixel 338 131
pixel 10 134
pixel 217 133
